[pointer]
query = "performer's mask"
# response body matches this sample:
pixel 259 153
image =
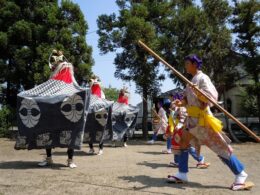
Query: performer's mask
pixel 101 116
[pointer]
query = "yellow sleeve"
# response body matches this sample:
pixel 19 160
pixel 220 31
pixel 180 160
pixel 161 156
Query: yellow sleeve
pixel 171 124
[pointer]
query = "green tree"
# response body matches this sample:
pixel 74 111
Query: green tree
pixel 6 119
pixel 219 58
pixel 111 93
pixel 248 102
pixel 201 30
pixel 246 26
pixel 29 30
pixel 121 33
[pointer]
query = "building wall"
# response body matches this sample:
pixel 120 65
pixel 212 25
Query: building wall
pixel 235 95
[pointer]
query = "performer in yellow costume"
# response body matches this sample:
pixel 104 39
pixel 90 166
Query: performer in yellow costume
pixel 203 128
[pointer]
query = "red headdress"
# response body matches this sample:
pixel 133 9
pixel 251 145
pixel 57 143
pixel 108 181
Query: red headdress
pixel 123 96
pixel 95 85
pixel 62 69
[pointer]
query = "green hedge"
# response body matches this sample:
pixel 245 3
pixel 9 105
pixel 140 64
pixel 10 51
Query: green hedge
pixel 6 116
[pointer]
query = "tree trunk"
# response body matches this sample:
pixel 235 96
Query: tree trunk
pixel 257 94
pixel 145 114
pixel 8 92
pixel 258 103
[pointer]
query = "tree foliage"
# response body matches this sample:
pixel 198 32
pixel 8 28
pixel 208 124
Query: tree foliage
pixel 121 33
pixel 247 28
pixel 111 93
pixel 174 29
pixel 29 30
pixel 6 119
pixel 201 30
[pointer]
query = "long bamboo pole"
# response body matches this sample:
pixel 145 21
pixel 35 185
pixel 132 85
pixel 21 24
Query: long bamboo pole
pixel 156 56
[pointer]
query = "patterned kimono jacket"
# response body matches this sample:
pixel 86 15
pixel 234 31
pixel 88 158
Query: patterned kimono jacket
pixel 163 123
pixel 179 119
pixel 196 123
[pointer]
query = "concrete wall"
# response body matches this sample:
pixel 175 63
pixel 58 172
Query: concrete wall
pixel 235 95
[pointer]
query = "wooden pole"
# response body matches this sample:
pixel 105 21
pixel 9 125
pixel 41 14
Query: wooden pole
pixel 156 56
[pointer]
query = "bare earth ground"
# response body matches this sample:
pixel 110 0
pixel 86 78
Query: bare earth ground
pixel 138 169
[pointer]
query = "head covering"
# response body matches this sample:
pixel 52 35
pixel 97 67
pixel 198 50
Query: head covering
pixel 194 59
pixel 160 102
pixel 94 77
pixel 94 80
pixel 124 92
pixel 56 57
pixel 95 85
pixel 123 96
pixel 177 96
pixel 166 101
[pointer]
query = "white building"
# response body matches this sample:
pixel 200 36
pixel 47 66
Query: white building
pixel 233 96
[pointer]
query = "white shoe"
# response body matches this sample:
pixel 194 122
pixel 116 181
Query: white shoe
pixel 47 162
pixel 125 145
pixel 150 142
pixel 202 160
pixel 71 164
pixel 239 182
pixel 241 178
pixel 91 151
pixel 178 178
pixel 167 151
pixel 100 152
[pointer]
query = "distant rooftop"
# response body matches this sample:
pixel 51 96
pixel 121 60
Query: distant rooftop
pixel 171 92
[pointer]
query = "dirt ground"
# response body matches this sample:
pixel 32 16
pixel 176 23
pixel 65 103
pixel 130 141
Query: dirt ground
pixel 137 169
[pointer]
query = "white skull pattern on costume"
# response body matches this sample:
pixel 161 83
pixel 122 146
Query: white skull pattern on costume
pixel 29 112
pixel 72 108
pixel 101 117
pixel 65 137
pixel 129 119
pixel 43 140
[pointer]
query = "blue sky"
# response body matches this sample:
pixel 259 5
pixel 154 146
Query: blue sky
pixel 104 64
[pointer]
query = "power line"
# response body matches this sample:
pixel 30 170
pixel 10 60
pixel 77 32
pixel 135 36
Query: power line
pixel 91 32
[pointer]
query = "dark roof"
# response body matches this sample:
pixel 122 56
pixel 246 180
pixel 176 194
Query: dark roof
pixel 171 92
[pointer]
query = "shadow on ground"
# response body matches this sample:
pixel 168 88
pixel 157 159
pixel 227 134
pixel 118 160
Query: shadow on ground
pixel 149 182
pixel 152 153
pixel 28 165
pixel 160 165
pixel 76 153
pixel 130 189
pixel 153 165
